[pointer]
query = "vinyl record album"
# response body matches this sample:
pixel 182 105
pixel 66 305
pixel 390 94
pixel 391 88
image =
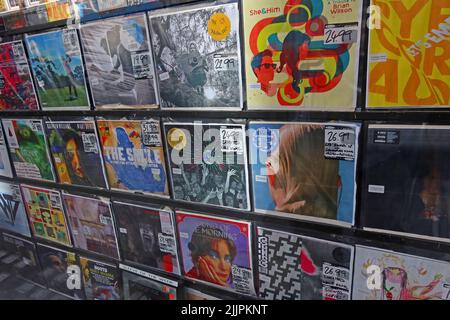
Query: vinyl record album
pixel 101 281
pixel 13 216
pixel 139 288
pixel 5 163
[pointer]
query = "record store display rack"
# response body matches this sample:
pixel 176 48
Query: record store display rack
pixel 270 149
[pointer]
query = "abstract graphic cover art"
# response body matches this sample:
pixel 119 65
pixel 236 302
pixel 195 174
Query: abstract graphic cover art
pixel 216 251
pixel 402 277
pixel 56 62
pixel 119 62
pixel 133 155
pixel 13 216
pixel 16 85
pixel 46 214
pixel 28 148
pixel 59 10
pixel 407 180
pixel 5 163
pixel 92 224
pixel 302 54
pixel 76 153
pixel 409 55
pixel 197 56
pixel 147 236
pixel 140 288
pixel 279 264
pixel 56 266
pixel 208 163
pixel 327 270
pixel 101 280
pixel 26 264
pixel 305 170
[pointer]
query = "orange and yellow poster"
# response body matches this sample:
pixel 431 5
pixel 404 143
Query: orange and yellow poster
pixel 409 54
pixel 302 54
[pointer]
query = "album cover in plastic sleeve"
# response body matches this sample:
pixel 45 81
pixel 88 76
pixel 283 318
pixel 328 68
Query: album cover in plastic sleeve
pixel 193 294
pixel 57 265
pixel 13 216
pixel 327 270
pixel 139 288
pixel 59 10
pixel 133 155
pixel 216 251
pixel 92 224
pixel 208 163
pixel 106 5
pixel 3 6
pixel 76 153
pixel 101 280
pixel 408 55
pixel 56 62
pixel 28 148
pixel 302 55
pixel 407 180
pixel 279 264
pixel 388 275
pixel 16 84
pixel 305 170
pixel 5 163
pixel 147 236
pixel 46 214
pixel 197 56
pixel 26 264
pixel 119 62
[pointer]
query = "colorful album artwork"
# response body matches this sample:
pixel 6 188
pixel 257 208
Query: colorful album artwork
pixel 16 84
pixel 56 266
pixel 147 236
pixel 140 288
pixel 216 251
pixel 302 54
pixel 305 170
pixel 101 281
pixel 388 275
pixel 407 180
pixel 59 10
pixel 56 62
pixel 92 224
pixel 327 270
pixel 279 264
pixel 46 214
pixel 208 163
pixel 197 56
pixel 133 155
pixel 409 54
pixel 119 62
pixel 13 216
pixel 5 162
pixel 76 152
pixel 28 148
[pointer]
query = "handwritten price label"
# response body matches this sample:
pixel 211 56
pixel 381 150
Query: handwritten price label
pixel 340 143
pixel 225 63
pixel 341 33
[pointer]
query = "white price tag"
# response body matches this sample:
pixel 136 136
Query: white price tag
pixel 340 143
pixel 341 33
pixel 231 140
pixel 225 62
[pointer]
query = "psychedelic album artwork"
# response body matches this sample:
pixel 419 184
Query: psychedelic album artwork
pixel 56 62
pixel 133 155
pixel 327 270
pixel 407 180
pixel 59 10
pixel 101 281
pixel 147 236
pixel 208 163
pixel 139 288
pixel 56 266
pixel 46 214
pixel 402 276
pixel 305 170
pixel 409 55
pixel 92 224
pixel 119 62
pixel 302 54
pixel 28 148
pixel 76 153
pixel 5 163
pixel 197 56
pixel 16 84
pixel 13 216
pixel 216 251
pixel 193 294
pixel 25 264
pixel 279 264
